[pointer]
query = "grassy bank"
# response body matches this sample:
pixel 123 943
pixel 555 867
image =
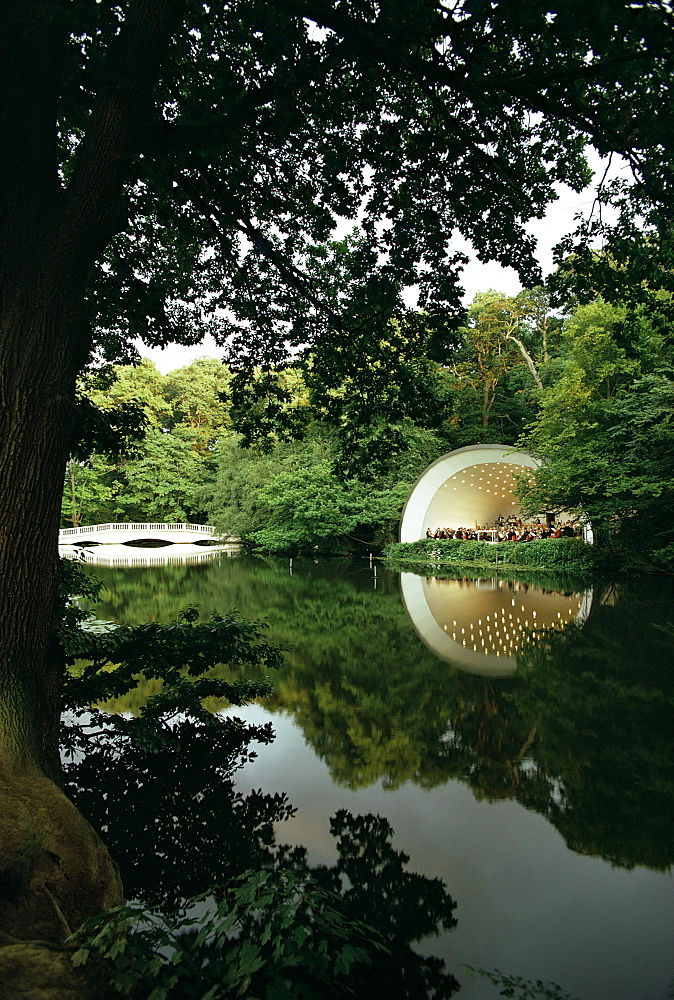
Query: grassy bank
pixel 564 555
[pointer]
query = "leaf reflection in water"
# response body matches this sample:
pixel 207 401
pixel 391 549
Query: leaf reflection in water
pixel 179 828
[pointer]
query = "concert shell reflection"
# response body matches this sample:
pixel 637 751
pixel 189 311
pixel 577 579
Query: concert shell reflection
pixel 479 625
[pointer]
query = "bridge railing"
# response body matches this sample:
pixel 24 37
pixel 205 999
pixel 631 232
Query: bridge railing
pixel 88 529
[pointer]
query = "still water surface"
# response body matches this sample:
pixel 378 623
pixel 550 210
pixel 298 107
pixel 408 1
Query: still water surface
pixel 518 738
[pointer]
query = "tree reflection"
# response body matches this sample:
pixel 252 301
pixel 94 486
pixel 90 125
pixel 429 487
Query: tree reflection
pixel 581 733
pixel 160 788
pixel 404 907
pixel 178 826
pixel 171 815
pixel 604 696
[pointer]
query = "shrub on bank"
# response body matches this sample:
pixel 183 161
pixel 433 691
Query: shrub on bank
pixel 564 554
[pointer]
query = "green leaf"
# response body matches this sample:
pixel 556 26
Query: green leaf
pixel 80 957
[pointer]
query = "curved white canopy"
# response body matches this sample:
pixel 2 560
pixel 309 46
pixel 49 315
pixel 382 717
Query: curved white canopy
pixel 468 487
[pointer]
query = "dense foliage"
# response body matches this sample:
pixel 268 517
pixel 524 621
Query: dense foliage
pixel 189 465
pixel 493 373
pixel 604 428
pixel 172 167
pixel 274 932
pixel 562 555
pixel 158 476
pixel 293 498
pixel 590 391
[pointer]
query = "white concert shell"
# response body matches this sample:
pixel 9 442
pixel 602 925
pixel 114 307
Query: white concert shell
pixel 468 487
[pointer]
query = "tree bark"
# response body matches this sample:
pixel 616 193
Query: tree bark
pixel 39 359
pixel 487 398
pixel 50 238
pixel 54 870
pixel 75 511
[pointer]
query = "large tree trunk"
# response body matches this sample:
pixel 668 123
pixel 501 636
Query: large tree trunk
pixel 75 509
pixel 487 398
pixel 50 237
pixel 54 870
pixel 38 365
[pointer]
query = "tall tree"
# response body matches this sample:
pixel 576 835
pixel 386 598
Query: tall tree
pixel 489 353
pixel 605 429
pixel 155 478
pixel 496 372
pixel 89 494
pixel 194 395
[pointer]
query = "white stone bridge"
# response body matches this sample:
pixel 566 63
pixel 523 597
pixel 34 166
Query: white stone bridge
pixel 157 531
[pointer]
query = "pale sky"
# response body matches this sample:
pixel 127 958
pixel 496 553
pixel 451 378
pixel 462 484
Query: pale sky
pixel 476 277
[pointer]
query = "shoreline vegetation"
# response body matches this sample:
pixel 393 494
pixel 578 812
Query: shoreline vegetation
pixel 565 555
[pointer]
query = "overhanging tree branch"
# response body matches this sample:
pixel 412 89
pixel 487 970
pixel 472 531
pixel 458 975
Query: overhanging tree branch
pixel 93 206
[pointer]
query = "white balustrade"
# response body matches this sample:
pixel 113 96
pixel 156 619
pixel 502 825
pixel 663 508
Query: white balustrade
pixel 148 528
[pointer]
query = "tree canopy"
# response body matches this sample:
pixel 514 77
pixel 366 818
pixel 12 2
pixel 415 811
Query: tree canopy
pixel 159 477
pixel 604 427
pixel 194 156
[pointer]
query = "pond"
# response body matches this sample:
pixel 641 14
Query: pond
pixel 516 734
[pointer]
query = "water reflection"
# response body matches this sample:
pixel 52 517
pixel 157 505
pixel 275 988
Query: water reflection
pixel 371 719
pixel 177 825
pixel 125 556
pixel 480 625
pixel 580 733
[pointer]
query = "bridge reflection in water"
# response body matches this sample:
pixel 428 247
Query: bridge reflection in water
pixel 124 555
pixel 479 625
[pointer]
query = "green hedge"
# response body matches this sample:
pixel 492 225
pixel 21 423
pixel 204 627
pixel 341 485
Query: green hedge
pixel 565 554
